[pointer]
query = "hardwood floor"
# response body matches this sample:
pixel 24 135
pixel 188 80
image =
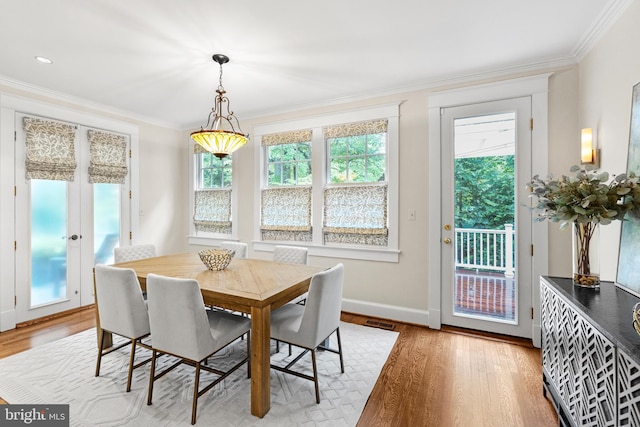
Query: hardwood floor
pixel 440 378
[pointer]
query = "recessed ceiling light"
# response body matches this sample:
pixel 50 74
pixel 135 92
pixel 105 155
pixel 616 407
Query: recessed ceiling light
pixel 44 60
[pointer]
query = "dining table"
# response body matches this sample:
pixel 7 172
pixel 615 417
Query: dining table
pixel 252 286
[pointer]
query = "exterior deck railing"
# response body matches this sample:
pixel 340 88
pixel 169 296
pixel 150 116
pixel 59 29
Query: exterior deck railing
pixel 491 250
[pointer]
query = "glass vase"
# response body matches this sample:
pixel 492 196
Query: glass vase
pixel 586 254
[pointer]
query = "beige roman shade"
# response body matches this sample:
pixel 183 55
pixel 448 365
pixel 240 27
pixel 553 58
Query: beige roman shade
pixel 286 137
pixel 50 150
pixel 108 162
pixel 356 214
pixel 286 213
pixel 213 211
pixel 354 129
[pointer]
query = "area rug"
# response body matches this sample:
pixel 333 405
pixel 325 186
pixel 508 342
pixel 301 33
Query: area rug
pixel 62 372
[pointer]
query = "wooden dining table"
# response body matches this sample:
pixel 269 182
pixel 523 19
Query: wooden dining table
pixel 251 286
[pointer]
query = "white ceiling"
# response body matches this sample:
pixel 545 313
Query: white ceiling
pixel 152 58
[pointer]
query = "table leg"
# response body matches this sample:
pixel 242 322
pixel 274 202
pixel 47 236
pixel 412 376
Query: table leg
pixel 260 360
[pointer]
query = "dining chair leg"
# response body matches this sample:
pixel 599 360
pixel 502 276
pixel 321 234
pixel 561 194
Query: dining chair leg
pixel 194 407
pixel 100 347
pixel 340 350
pixel 315 374
pixel 131 359
pixel 152 374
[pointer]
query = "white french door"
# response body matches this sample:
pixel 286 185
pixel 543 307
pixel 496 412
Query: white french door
pixel 486 225
pixel 62 229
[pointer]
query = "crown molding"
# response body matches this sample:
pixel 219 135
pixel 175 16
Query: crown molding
pixel 34 90
pixel 599 27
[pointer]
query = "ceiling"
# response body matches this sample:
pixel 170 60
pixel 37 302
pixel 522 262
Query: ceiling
pixel 152 58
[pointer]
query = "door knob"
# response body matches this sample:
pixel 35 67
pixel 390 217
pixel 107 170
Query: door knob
pixel 75 237
pixel 447 240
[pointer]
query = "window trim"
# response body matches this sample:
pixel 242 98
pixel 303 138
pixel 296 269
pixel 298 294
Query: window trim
pixel 319 156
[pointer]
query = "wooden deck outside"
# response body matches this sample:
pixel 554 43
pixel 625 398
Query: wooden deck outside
pixel 485 294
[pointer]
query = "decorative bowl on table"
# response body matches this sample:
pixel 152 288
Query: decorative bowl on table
pixel 216 259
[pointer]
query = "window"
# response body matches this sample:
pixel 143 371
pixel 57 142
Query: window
pixel 338 184
pixel 356 213
pixel 212 195
pixel 286 199
pixel 288 158
pixel 357 151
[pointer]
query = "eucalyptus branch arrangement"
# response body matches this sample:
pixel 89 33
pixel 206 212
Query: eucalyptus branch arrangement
pixel 587 196
pixel 585 199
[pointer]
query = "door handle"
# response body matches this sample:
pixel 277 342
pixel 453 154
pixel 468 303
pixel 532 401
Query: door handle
pixel 447 240
pixel 75 237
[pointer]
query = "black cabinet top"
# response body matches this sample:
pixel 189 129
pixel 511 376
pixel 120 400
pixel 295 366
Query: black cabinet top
pixel 610 309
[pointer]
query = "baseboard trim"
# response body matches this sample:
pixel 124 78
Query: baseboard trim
pixel 7 320
pixel 384 311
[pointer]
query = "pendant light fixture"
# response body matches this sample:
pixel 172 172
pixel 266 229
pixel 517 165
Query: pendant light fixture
pixel 219 136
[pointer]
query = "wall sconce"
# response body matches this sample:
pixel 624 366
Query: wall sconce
pixel 588 154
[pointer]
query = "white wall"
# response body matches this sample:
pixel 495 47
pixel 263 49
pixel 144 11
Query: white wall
pixel 606 78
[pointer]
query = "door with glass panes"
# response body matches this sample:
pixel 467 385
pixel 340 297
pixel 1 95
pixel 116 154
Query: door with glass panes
pixel 69 215
pixel 486 228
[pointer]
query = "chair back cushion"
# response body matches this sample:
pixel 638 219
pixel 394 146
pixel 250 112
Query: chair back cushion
pixel 322 310
pixel 290 254
pixel 121 306
pixel 240 250
pixel 134 252
pixel 178 318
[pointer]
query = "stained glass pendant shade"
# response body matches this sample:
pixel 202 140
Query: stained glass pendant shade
pixel 219 135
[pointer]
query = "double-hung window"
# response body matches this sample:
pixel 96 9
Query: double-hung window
pixel 355 198
pixel 285 202
pixel 332 186
pixel 212 195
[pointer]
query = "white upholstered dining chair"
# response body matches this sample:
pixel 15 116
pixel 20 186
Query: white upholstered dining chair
pixel 133 252
pixel 182 327
pixel 308 326
pixel 240 250
pixel 292 255
pixel 122 311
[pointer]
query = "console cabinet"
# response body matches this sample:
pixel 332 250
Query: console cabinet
pixel 590 353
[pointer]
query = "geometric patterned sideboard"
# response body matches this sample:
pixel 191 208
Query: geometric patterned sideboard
pixel 628 390
pixel 590 359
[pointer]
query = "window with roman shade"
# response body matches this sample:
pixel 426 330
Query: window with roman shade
pixel 355 199
pixel 108 163
pixel 286 200
pixel 212 195
pixel 50 149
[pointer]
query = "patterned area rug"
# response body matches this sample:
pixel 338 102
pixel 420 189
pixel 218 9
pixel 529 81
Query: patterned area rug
pixel 63 372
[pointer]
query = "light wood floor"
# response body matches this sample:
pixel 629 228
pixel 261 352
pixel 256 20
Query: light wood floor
pixel 432 378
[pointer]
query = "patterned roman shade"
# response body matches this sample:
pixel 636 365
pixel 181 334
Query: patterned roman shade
pixel 286 213
pixel 356 214
pixel 50 150
pixel 108 162
pixel 286 137
pixel 213 211
pixel 355 129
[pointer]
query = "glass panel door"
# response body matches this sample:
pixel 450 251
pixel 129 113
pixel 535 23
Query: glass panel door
pixel 48 241
pixel 63 228
pixel 106 221
pixel 486 231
